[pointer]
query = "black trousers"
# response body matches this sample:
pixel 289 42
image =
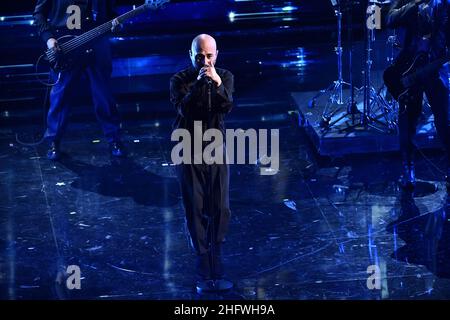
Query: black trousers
pixel 97 69
pixel 436 90
pixel 194 181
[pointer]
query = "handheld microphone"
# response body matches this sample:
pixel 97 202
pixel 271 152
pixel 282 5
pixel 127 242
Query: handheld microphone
pixel 207 79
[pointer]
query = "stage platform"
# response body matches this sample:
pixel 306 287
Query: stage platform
pixel 348 137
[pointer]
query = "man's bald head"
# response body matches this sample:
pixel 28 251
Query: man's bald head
pixel 203 51
pixel 203 40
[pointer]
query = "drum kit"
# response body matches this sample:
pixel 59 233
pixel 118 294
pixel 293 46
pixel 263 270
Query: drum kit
pixel 366 106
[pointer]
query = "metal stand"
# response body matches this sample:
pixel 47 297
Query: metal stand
pixel 378 112
pixel 335 90
pixel 389 103
pixel 352 109
pixel 213 285
pixel 375 106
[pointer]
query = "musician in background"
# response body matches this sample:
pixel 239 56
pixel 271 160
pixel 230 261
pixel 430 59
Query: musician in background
pixel 423 26
pixel 50 17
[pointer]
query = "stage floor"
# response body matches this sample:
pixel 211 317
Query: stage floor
pixel 309 232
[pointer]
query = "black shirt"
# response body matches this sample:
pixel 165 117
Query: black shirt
pixel 190 98
pixel 51 15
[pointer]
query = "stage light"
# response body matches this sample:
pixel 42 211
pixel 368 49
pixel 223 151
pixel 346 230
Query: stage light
pixel 231 16
pixel 289 8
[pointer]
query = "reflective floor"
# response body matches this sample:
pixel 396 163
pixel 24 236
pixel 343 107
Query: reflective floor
pixel 309 232
pixel 319 229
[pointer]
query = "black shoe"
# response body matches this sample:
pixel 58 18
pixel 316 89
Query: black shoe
pixel 408 178
pixel 116 149
pixel 54 153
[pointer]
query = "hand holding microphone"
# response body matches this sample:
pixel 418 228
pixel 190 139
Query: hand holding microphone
pixel 205 73
pixel 210 75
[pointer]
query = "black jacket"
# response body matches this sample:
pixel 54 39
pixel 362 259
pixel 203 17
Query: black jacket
pixel 407 18
pixel 51 15
pixel 190 98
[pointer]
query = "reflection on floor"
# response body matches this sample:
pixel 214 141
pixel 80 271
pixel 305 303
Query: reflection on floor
pixel 309 232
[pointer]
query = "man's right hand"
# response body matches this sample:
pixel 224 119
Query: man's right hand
pixel 201 74
pixel 52 43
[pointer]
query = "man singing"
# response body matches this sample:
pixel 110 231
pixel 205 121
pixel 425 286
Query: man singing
pixel 50 17
pixel 204 93
pixel 423 27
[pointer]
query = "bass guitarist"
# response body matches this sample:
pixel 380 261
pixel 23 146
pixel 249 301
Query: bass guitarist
pixel 50 17
pixel 423 27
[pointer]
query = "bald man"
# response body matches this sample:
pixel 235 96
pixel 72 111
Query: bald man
pixel 190 90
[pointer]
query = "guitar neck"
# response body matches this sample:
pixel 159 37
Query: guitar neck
pixel 100 30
